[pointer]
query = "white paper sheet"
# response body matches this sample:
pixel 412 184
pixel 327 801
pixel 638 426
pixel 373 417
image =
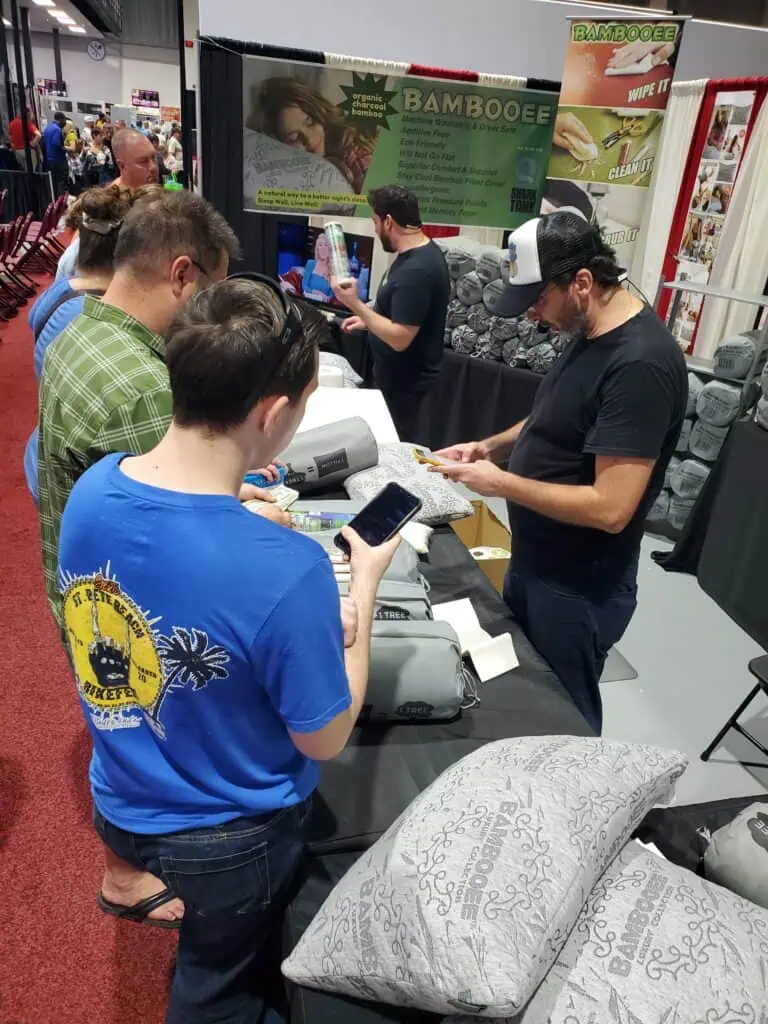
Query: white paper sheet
pixel 462 618
pixel 494 657
pixel 328 405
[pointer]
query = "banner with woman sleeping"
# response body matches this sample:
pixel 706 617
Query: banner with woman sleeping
pixel 318 138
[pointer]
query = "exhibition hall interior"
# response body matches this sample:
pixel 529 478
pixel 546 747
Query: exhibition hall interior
pixel 384 512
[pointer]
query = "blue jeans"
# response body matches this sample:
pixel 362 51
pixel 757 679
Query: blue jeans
pixel 235 881
pixel 573 631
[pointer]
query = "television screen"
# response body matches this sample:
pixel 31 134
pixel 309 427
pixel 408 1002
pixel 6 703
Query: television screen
pixel 303 262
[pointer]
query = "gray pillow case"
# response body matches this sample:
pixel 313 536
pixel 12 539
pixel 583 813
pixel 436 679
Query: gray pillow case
pixel 440 499
pixel 466 900
pixel 656 944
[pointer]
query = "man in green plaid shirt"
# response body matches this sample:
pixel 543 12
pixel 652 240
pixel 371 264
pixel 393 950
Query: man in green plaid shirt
pixel 105 385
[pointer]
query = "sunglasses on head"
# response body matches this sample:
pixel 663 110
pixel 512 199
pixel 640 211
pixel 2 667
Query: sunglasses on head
pixel 293 327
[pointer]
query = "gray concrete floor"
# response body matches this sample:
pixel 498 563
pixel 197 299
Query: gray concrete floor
pixel 691 661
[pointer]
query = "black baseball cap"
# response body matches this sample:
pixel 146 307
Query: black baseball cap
pixel 553 246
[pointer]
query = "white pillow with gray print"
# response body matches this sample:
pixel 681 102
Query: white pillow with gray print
pixel 718 403
pixel 695 384
pixel 464 903
pixel 656 944
pixel 706 441
pixel 351 378
pixel 734 356
pixel 441 501
pixel 761 412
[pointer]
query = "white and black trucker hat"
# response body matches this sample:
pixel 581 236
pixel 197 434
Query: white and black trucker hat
pixel 553 247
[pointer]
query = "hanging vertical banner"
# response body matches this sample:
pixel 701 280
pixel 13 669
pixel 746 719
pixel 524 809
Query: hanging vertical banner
pixel 616 86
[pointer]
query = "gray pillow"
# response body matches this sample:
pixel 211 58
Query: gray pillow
pixel 674 462
pixel 479 319
pixel 737 855
pixel 457 314
pixel 441 501
pixel 469 289
pixel 656 944
pixel 734 356
pixel 492 293
pixel 459 263
pixel 679 510
pixel 695 384
pixel 764 381
pixel 489 266
pixel 466 900
pixel 684 436
pixel 487 347
pixel 659 510
pixel 761 412
pixel 688 478
pixel 464 340
pixel 509 351
pixel 706 441
pixel 542 357
pixel 503 329
pixel 719 403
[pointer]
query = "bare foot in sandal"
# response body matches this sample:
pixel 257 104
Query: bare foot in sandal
pixel 127 886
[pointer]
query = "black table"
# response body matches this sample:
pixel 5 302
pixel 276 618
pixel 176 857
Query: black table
pixel 385 767
pixel 471 399
pixel 26 192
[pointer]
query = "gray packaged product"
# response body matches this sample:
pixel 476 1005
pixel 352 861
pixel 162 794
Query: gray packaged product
pixel 469 289
pixel 737 855
pixel 452 287
pixel 487 348
pixel 457 314
pixel 674 462
pixel 695 384
pixel 448 339
pixel 541 357
pixel 479 319
pixel 718 403
pixel 489 267
pixel 684 437
pixel 328 455
pixel 509 351
pixel 706 441
pixel 464 340
pixel 764 380
pixel 679 510
pixel 459 263
pixel 659 510
pixel 492 293
pixel 761 413
pixel 689 478
pixel 503 329
pixel 734 355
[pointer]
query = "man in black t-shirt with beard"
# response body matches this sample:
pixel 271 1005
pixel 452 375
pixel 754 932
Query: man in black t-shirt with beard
pixel 406 325
pixel 588 462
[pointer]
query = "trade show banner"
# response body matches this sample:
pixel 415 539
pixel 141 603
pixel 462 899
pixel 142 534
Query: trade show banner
pixel 318 138
pixel 616 86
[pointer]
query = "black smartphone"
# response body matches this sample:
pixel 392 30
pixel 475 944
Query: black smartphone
pixel 383 516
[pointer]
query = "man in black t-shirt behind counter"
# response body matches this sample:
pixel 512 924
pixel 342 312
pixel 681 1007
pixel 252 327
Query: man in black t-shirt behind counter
pixel 589 460
pixel 407 323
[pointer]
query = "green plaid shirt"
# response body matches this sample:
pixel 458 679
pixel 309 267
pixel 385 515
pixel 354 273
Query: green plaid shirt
pixel 104 389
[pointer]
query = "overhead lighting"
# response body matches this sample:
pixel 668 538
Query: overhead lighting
pixel 64 18
pixel 44 3
pixel 7 23
pixel 77 28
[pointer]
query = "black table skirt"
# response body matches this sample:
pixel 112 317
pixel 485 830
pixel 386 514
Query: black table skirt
pixel 471 399
pixel 25 192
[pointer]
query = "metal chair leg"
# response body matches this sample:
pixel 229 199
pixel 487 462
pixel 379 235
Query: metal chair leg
pixel 732 723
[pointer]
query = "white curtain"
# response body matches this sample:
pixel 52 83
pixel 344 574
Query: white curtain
pixel 676 137
pixel 742 256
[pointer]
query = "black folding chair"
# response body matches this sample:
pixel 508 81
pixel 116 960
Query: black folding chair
pixel 733 565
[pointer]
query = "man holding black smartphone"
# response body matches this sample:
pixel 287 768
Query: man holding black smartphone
pixel 406 325
pixel 211 660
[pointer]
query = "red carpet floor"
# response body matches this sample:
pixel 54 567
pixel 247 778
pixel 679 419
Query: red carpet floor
pixel 61 960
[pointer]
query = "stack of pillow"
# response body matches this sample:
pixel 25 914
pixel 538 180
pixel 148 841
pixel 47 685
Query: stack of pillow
pixel 510 889
pixel 713 404
pixel 479 274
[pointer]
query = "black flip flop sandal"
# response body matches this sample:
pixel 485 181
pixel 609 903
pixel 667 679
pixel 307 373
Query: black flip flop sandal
pixel 140 911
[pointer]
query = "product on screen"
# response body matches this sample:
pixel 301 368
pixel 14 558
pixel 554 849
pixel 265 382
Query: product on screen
pixel 337 241
pixel 383 517
pixel 305 262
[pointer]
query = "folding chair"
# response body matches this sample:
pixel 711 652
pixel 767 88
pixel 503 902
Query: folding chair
pixel 733 565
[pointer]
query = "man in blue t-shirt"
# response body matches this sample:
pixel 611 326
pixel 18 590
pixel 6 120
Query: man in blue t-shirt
pixel 212 662
pixel 55 154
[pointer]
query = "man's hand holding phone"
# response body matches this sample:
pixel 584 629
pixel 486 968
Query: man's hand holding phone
pixel 471 451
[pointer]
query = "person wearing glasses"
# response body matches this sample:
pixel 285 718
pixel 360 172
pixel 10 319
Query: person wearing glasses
pixel 208 708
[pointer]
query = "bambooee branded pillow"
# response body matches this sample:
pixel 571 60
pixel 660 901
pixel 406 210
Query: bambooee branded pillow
pixel 656 944
pixel 469 289
pixel 706 441
pixel 467 899
pixel 718 403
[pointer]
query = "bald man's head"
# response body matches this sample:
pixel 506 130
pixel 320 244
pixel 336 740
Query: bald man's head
pixel 135 157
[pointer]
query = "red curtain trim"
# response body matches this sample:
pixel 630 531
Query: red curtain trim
pixel 457 76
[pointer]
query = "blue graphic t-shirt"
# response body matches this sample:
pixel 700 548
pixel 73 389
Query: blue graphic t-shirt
pixel 199 633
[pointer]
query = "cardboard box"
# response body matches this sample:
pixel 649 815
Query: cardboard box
pixel 484 530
